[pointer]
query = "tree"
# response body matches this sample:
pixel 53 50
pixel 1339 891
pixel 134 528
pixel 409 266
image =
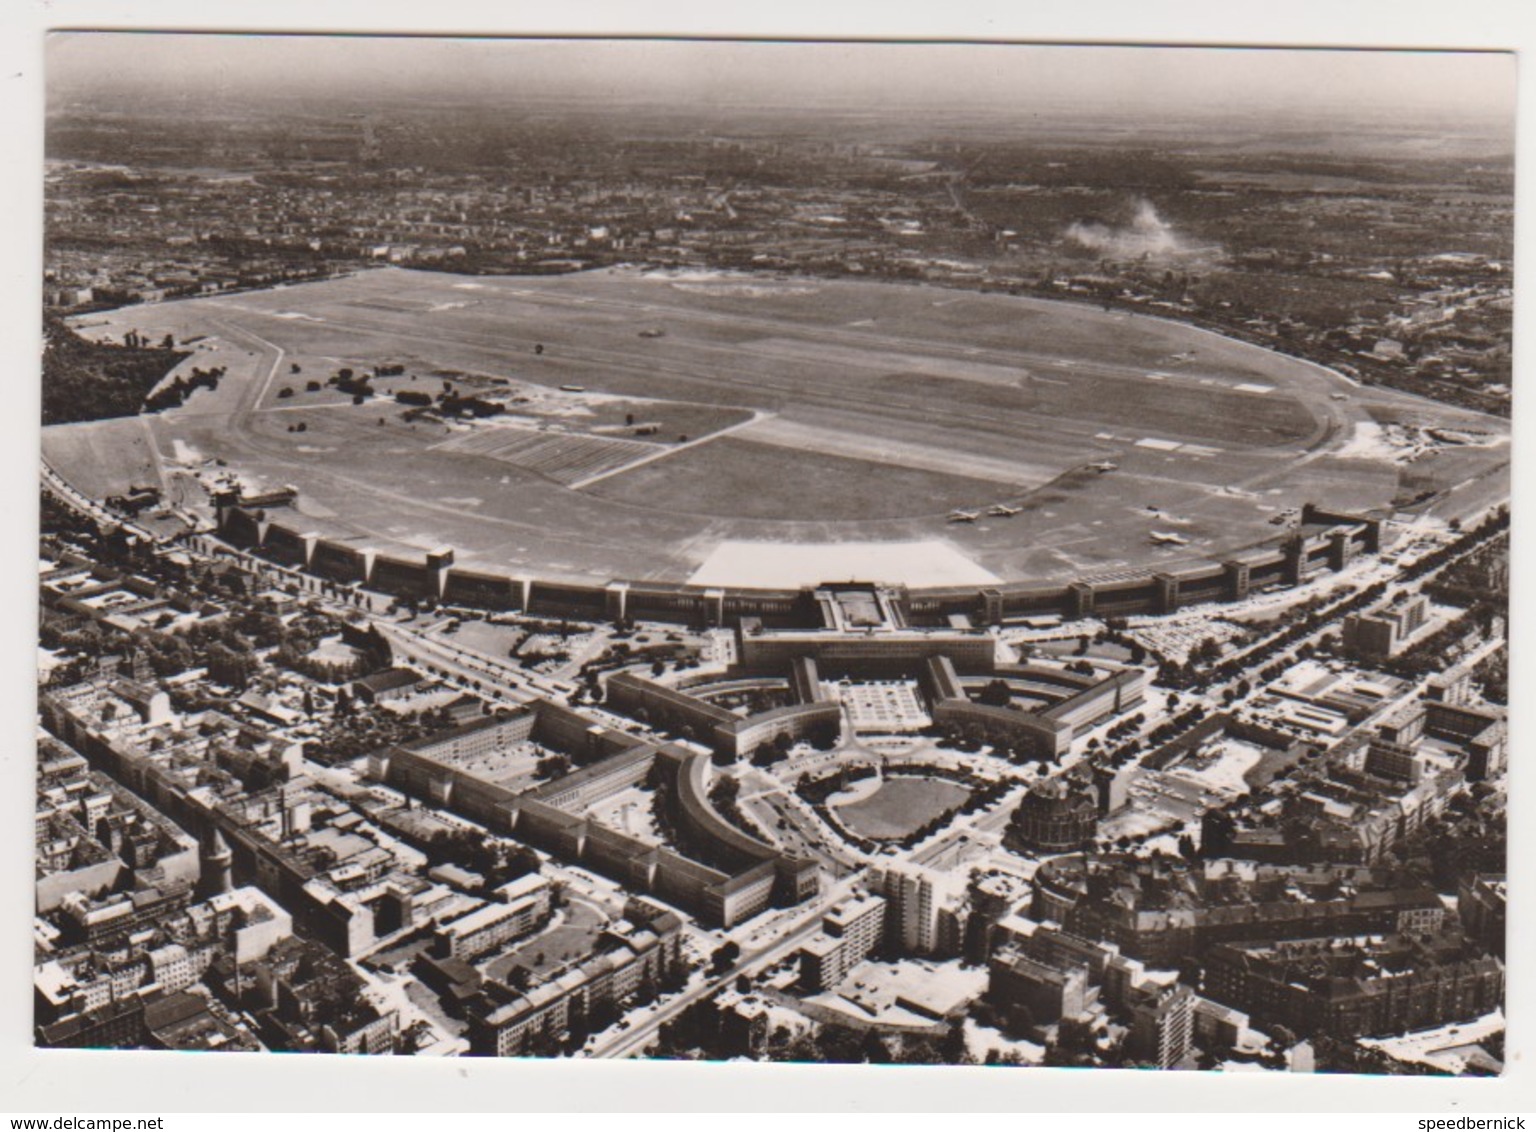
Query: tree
pixel 169 343
pixel 554 766
pixel 1191 971
pixel 724 955
pixel 996 694
pixel 229 667
pixel 1206 653
pixel 874 1050
pixel 953 1048
pixel 766 754
pixel 648 989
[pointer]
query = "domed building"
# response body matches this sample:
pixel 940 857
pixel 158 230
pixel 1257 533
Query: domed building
pixel 1058 815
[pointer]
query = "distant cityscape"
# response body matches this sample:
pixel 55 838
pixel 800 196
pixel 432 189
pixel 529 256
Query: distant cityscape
pixel 308 781
pixel 1341 275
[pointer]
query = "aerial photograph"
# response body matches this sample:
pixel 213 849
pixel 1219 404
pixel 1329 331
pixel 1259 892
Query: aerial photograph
pixel 787 551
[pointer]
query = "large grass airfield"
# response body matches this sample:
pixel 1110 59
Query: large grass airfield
pixel 676 425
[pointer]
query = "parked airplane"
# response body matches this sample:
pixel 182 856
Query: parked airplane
pixel 1104 466
pixel 1002 510
pixel 1168 538
pixel 964 516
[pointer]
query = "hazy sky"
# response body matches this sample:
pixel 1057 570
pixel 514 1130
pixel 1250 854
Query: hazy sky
pixel 880 75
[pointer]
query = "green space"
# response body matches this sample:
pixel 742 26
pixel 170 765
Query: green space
pixel 571 939
pixel 735 478
pixel 901 806
pixel 85 380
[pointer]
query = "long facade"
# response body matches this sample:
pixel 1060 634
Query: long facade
pixel 1325 541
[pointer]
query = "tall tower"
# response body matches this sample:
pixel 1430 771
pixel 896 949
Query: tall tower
pixel 216 866
pixel 911 906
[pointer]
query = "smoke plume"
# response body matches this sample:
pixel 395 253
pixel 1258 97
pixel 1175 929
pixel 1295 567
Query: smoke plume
pixel 1145 234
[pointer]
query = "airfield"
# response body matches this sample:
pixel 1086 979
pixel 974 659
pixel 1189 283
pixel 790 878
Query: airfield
pixel 757 431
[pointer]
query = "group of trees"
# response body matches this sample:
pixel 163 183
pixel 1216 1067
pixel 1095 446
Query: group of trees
pixel 346 381
pixel 1471 836
pixel 1302 621
pixel 553 766
pixel 354 729
pixel 1123 728
pixel 1493 675
pixel 723 956
pixel 815 791
pixel 1205 654
pixel 181 388
pixel 136 341
pixel 87 381
pixel 294 654
pixel 724 795
pixel 776 751
pixel 494 859
pixel 1482 575
pixel 456 405
pixel 970 737
pixel 1161 736
pixel 448 403
pixel 996 694
pixel 848 1045
pixel 697 1034
pixel 823 736
pixel 1432 653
